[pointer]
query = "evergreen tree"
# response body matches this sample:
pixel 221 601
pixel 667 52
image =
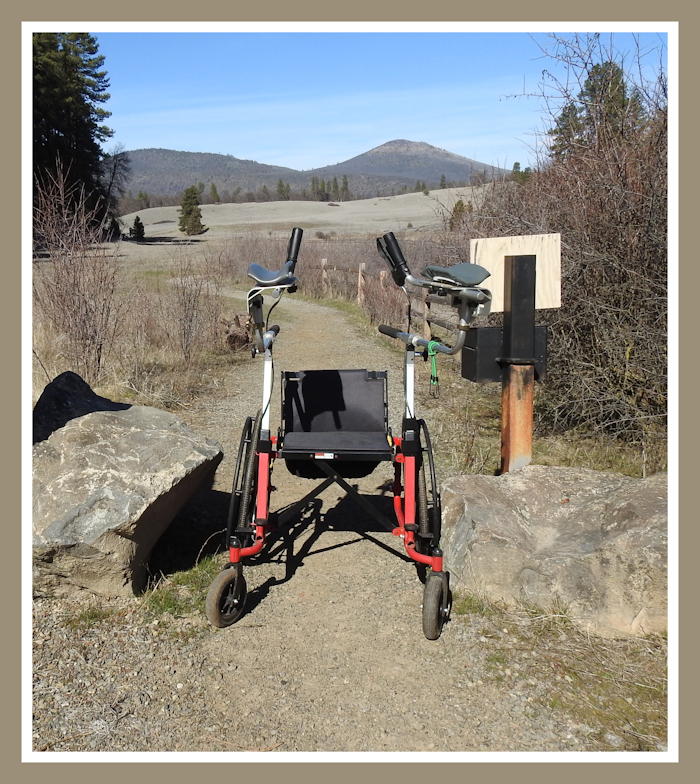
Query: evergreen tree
pixel 190 214
pixel 518 175
pixel 604 112
pixel 345 189
pixel 443 182
pixel 68 88
pixel 138 231
pixel 214 194
pixel 283 190
pixel 335 189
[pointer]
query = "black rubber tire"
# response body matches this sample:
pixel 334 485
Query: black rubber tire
pixel 226 598
pixel 434 604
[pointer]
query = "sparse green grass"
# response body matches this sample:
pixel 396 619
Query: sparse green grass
pixel 179 595
pixel 183 592
pixel 90 616
pixel 614 686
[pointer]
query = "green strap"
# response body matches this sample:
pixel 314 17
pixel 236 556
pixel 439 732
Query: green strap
pixel 432 353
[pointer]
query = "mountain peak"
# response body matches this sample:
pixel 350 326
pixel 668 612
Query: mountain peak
pixel 396 166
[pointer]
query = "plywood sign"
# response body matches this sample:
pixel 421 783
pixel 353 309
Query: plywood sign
pixel 491 252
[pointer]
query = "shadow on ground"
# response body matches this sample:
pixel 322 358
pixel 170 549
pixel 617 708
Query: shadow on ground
pixel 199 530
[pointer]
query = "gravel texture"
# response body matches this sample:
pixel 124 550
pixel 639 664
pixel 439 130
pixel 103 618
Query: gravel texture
pixel 329 656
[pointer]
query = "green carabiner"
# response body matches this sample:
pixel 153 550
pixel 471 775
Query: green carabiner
pixel 432 353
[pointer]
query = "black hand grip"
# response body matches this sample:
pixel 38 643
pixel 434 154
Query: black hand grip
pixel 396 273
pixel 393 249
pixel 400 268
pixel 294 245
pixel 275 328
pixel 392 332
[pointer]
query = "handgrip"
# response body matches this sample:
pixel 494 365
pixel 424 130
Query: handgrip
pixel 389 248
pixel 394 251
pixel 293 246
pixel 275 328
pixel 397 274
pixel 392 332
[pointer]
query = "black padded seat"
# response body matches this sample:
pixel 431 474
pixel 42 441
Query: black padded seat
pixel 338 415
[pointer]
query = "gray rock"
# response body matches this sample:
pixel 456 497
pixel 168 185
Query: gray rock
pixel 106 486
pixel 594 541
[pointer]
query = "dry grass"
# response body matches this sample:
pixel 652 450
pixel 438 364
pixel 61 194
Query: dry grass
pixel 616 689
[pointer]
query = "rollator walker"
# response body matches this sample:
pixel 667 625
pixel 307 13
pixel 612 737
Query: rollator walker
pixel 334 427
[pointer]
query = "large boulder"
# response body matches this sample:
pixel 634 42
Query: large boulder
pixel 551 536
pixel 106 485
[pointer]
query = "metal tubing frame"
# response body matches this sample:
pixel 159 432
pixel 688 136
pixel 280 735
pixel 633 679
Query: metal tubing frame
pixel 404 506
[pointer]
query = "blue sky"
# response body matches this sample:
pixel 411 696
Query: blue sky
pixel 310 99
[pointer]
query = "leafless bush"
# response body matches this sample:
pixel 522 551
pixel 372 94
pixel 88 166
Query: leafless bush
pixel 76 278
pixel 602 184
pixel 196 305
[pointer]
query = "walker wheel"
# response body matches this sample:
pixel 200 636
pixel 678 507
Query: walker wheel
pixel 436 606
pixel 226 598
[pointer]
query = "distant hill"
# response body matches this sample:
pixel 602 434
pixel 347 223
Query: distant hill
pixel 393 167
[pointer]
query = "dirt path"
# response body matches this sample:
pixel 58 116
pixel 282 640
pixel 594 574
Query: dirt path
pixel 330 655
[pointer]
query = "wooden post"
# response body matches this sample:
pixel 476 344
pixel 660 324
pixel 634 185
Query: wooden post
pixel 427 332
pixel 361 284
pixel 325 285
pixel 518 362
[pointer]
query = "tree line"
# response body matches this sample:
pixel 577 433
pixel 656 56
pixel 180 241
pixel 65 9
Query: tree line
pixel 319 189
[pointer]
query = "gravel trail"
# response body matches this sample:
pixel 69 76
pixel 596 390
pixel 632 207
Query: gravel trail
pixel 330 655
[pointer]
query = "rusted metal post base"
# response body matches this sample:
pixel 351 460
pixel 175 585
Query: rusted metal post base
pixel 516 416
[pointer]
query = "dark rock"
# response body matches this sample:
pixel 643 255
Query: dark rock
pixel 66 398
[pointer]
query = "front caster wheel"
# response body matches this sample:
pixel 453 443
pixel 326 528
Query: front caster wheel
pixel 226 598
pixel 436 605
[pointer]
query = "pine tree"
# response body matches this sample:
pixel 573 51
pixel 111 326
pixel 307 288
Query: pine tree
pixel 214 194
pixel 283 190
pixel 138 231
pixel 345 189
pixel 68 88
pixel 457 215
pixel 605 112
pixel 190 214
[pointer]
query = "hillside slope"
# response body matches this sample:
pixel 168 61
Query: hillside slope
pixel 390 168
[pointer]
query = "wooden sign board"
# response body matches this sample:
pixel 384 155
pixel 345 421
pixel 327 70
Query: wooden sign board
pixel 491 252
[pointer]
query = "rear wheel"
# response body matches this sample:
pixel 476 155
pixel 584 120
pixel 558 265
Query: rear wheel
pixel 428 511
pixel 244 482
